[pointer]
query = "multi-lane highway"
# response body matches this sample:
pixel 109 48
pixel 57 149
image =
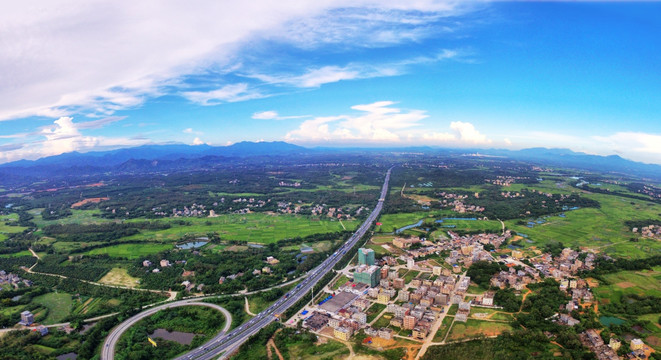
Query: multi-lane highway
pixel 224 345
pixel 108 351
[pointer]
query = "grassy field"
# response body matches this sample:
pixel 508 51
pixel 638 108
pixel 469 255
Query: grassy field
pixel 7 229
pixel 601 228
pixel 255 227
pixel 410 276
pixel 374 310
pixel 629 282
pixel 58 304
pixel 20 253
pixel 473 328
pixel 130 251
pixel 119 276
pixel 77 217
pixel 390 221
pixel 340 281
pixel 493 314
pixel 443 330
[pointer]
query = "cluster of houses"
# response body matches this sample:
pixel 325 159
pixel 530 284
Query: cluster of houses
pixel 650 231
pixel 505 180
pixel 289 184
pixel 163 264
pixel 456 203
pixel 13 280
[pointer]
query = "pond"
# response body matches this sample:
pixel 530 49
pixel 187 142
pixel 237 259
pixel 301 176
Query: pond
pixel 610 320
pixel 178 336
pixel 408 227
pixel 192 245
pixel 68 356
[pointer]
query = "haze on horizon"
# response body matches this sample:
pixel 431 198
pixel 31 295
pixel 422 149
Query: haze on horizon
pixel 82 76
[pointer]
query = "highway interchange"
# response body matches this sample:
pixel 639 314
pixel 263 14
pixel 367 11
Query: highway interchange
pixel 225 344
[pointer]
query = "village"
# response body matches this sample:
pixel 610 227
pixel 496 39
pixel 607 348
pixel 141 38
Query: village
pixel 373 296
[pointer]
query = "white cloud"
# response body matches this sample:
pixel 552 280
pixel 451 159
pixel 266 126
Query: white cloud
pixel 265 115
pixel 227 93
pixel 315 77
pixel 76 56
pixel 378 122
pixel 197 141
pixel 467 133
pixel 188 131
pixel 61 137
pixel 381 123
pixel 632 145
pixel 273 115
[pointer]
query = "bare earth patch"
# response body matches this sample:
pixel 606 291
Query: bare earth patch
pixel 119 276
pixel 88 201
pixel 653 340
pixel 625 284
pixel 592 282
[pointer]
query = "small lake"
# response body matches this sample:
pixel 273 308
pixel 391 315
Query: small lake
pixel 68 356
pixel 408 227
pixel 178 336
pixel 610 320
pixel 192 245
pixel 439 221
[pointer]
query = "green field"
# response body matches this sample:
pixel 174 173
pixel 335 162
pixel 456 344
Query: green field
pixel 601 228
pixel 20 253
pixel 443 330
pixel 474 328
pixel 630 282
pixel 130 251
pixel 58 304
pixel 254 227
pixel 77 217
pixel 8 229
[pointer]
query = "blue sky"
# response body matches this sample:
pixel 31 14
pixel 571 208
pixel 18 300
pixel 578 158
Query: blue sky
pixel 85 77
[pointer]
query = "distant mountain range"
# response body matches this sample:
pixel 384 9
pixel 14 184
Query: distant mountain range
pixel 184 157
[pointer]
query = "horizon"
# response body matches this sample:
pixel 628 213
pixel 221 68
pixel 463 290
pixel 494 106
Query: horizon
pixel 477 75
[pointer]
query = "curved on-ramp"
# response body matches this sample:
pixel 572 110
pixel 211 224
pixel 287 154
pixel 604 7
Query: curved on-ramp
pixel 108 351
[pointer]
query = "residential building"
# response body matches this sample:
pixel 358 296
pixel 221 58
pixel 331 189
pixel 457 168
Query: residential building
pixel 27 318
pixel 420 332
pixel 367 274
pixel 343 333
pixel 409 322
pixel 165 263
pixel 487 299
pixel 385 333
pixel 365 256
pixel 398 283
pixel 146 263
pixel 637 344
pixel 614 344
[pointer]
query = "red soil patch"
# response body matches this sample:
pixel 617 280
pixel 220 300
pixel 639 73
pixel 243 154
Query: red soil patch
pixel 88 201
pixel 625 284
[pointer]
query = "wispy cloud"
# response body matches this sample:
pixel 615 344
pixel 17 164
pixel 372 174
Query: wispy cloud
pixel 273 115
pixel 64 136
pixel 227 93
pixel 53 64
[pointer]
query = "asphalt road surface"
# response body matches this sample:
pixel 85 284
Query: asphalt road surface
pixel 108 351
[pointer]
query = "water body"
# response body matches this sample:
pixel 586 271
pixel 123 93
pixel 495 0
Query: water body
pixel 610 320
pixel 407 227
pixel 178 336
pixel 68 356
pixel 192 245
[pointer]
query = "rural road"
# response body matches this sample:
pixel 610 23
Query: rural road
pixel 108 351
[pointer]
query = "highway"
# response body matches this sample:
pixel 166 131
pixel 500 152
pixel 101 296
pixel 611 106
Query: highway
pixel 224 345
pixel 108 351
